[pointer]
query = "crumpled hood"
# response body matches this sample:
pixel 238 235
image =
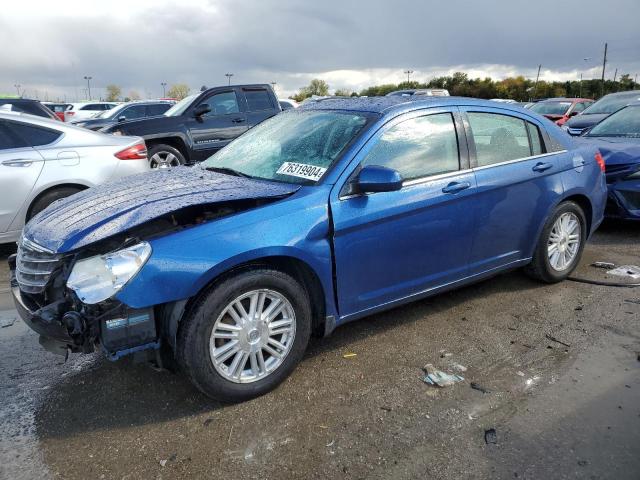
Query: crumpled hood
pixel 621 155
pixel 112 208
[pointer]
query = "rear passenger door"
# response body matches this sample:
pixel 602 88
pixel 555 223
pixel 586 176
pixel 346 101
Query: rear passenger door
pixel 518 180
pixel 260 105
pixel 393 245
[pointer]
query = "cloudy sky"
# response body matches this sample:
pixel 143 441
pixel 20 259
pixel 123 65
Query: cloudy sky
pixel 47 46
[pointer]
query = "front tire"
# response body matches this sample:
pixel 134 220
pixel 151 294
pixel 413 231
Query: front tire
pixel 560 245
pixel 245 335
pixel 165 156
pixel 48 198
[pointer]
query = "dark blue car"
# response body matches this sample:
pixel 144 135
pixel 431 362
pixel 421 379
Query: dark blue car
pixel 314 218
pixel 617 137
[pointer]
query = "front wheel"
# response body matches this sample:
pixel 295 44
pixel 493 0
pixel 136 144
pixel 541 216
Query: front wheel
pixel 246 335
pixel 560 245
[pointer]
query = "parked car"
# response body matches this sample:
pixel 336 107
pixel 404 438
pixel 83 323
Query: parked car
pixel 201 124
pixel 57 108
pixel 618 139
pixel 125 111
pixel 44 160
pixel 505 100
pixel 287 103
pixel 25 105
pixel 428 92
pixel 86 110
pixel 311 219
pixel 600 110
pixel 560 110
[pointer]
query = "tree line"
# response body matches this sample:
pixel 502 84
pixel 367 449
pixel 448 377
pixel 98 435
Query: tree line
pixel 516 88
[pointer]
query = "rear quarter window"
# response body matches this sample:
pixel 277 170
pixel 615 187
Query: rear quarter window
pixel 32 135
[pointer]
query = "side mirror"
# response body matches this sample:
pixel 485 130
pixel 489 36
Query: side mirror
pixel 201 109
pixel 122 118
pixel 374 178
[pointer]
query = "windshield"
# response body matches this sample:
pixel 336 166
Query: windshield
pixel 111 113
pixel 181 106
pixel 551 108
pixel 294 147
pixel 623 123
pixel 611 104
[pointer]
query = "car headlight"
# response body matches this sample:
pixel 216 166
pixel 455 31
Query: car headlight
pixel 98 278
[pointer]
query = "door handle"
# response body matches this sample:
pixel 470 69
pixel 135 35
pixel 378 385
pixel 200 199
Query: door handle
pixel 18 162
pixel 455 187
pixel 542 166
pixel 238 120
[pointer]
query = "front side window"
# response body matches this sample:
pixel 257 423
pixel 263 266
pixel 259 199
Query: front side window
pixel 418 147
pixel 222 103
pixel 258 100
pixel 623 123
pixel 34 136
pixel 133 112
pixel 293 147
pixel 498 138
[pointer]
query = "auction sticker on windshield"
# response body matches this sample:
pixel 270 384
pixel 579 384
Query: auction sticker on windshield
pixel 310 172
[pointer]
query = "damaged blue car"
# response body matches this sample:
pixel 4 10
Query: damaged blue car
pixel 312 219
pixel 617 137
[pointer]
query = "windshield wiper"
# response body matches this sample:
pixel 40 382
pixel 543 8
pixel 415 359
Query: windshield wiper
pixel 228 171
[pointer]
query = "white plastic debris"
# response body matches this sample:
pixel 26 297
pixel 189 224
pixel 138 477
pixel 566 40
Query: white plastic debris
pixel 631 271
pixel 439 378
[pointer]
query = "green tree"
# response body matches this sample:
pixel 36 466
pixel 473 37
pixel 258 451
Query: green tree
pixel 113 92
pixel 316 87
pixel 343 92
pixel 178 91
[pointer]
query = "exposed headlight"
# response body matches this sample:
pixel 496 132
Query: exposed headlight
pixel 95 279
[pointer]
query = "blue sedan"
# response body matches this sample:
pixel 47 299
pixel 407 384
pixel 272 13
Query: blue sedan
pixel 314 218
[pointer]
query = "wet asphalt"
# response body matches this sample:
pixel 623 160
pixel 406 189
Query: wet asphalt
pixel 548 410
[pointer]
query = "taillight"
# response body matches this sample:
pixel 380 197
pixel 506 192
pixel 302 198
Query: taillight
pixel 135 152
pixel 600 161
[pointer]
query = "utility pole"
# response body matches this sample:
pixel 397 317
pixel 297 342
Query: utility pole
pixel 17 85
pixel 88 79
pixel 604 65
pixel 229 75
pixel 580 94
pixel 615 75
pixel 535 85
pixel 164 84
pixel 408 72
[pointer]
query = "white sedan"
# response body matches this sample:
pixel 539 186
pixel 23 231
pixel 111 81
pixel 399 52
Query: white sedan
pixel 43 160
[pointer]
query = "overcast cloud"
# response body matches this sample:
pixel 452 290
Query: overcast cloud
pixel 49 46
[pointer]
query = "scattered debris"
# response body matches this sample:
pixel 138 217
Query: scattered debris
pixel 554 339
pixel 519 373
pixel 349 355
pixel 444 354
pixel 490 436
pixel 582 463
pixel 512 328
pixel 207 422
pixel 631 271
pixel 7 322
pixel 458 367
pixel 163 463
pixel 480 388
pixel 386 409
pixel 330 443
pixel 633 300
pixel 439 378
pixel 605 265
pixel 532 381
pixel 578 308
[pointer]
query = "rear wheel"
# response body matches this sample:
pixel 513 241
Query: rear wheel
pixel 165 156
pixel 246 335
pixel 560 245
pixel 48 198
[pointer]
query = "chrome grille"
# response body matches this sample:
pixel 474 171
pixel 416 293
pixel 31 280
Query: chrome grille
pixel 34 265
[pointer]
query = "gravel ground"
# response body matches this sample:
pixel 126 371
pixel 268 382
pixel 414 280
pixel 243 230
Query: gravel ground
pixel 549 411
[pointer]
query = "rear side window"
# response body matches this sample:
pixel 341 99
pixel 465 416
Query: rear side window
pixel 8 139
pixel 157 109
pixel 258 100
pixel 537 145
pixel 418 147
pixel 499 138
pixel 34 136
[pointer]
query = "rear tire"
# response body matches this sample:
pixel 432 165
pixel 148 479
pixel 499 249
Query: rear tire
pixel 253 365
pixel 48 198
pixel 165 156
pixel 560 245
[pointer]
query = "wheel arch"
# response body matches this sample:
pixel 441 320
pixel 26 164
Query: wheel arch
pixel 77 186
pixel 176 142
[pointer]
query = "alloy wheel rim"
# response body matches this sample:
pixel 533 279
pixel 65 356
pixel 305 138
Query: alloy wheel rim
pixel 564 241
pixel 252 336
pixel 163 160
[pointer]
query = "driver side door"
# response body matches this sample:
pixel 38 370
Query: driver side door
pixel 213 130
pixel 392 246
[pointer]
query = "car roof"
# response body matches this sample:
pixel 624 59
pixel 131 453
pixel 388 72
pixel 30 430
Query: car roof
pixel 385 105
pixel 18 100
pixel 35 119
pixel 630 93
pixel 566 99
